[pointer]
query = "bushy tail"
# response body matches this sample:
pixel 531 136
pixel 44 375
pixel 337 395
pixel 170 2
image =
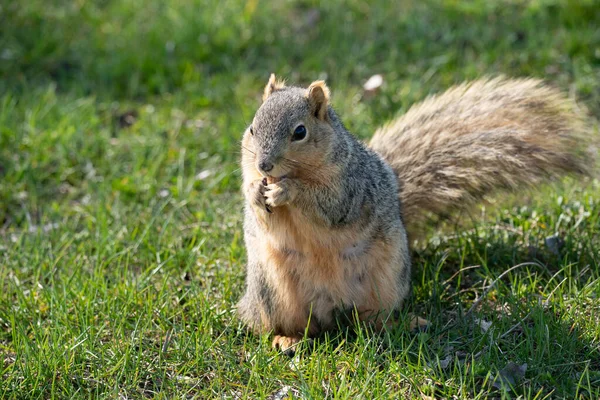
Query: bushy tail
pixel 455 148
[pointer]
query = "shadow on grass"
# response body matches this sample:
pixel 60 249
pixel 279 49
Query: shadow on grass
pixel 491 332
pixel 485 317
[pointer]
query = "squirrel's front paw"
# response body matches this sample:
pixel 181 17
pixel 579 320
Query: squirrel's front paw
pixel 256 194
pixel 280 193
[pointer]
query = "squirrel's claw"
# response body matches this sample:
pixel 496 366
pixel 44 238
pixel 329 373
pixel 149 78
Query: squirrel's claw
pixel 256 195
pixel 287 344
pixel 264 198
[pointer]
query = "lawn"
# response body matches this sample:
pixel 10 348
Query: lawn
pixel 121 248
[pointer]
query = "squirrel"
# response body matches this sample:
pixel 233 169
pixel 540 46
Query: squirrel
pixel 325 219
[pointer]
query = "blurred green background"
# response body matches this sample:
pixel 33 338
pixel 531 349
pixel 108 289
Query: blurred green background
pixel 120 212
pixel 191 72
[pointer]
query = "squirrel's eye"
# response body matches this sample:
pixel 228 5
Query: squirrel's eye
pixel 299 133
pixel 251 131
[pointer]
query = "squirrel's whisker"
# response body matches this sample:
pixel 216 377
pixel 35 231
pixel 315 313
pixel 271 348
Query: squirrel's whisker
pixel 248 150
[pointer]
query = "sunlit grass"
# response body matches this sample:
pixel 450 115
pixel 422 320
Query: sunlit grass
pixel 121 249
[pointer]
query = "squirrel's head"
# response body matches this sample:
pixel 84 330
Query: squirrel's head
pixel 291 133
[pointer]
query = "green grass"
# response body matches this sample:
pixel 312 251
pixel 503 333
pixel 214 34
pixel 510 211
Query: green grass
pixel 121 249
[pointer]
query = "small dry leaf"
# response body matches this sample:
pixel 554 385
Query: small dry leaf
pixel 446 362
pixel 373 83
pixel 483 324
pixel 510 375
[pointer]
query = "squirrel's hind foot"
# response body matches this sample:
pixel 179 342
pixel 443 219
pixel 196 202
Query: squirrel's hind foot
pixel 287 344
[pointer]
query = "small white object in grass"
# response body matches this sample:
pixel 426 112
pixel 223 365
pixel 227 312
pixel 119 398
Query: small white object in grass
pixel 373 83
pixel 281 393
pixel 554 244
pixel 203 175
pixel 195 123
pixel 294 362
pixel 163 193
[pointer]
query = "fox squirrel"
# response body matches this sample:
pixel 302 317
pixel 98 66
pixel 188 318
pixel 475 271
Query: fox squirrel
pixel 326 215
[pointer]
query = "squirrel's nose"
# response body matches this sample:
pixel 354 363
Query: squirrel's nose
pixel 265 166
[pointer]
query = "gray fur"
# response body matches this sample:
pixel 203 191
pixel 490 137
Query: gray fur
pixel 363 184
pixel 364 173
pixel 443 154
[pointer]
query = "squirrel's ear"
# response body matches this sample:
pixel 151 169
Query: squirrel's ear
pixel 272 86
pixel 318 98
